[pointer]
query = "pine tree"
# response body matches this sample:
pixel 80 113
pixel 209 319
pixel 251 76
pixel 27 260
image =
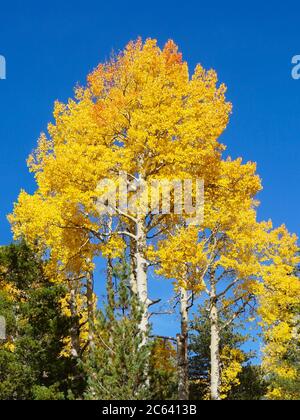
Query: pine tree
pixel 239 379
pixel 253 384
pixel 31 366
pixel 117 366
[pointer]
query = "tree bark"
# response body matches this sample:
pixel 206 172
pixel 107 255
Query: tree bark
pixel 182 349
pixel 90 308
pixel 110 283
pixel 215 345
pixel 132 279
pixel 141 276
pixel 75 329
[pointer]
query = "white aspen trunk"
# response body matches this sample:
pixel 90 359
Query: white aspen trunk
pixel 132 279
pixel 74 330
pixel 110 284
pixel 182 348
pixel 90 308
pixel 110 287
pixel 215 345
pixel 139 206
pixel 141 275
pixel 111 303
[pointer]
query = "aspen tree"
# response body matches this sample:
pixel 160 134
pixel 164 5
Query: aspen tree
pixel 220 256
pixel 142 114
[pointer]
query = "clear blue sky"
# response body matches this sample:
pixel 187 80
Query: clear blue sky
pixel 50 46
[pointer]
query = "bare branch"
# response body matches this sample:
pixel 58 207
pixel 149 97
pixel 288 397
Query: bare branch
pixel 237 313
pixel 164 338
pixel 154 302
pixel 230 286
pixel 171 312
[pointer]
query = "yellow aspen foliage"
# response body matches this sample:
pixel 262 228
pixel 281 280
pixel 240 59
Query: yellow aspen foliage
pixel 10 293
pixel 279 304
pixel 232 365
pixel 163 356
pixel 227 239
pixel 114 247
pixel 82 314
pixel 141 113
pixel 146 114
pixel 178 258
pixel 236 260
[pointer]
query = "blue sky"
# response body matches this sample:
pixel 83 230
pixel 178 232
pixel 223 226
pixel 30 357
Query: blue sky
pixel 50 46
